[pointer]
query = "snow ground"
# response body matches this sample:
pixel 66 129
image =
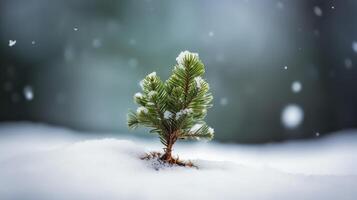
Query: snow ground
pixel 43 162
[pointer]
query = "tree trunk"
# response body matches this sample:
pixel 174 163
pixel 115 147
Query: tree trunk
pixel 168 149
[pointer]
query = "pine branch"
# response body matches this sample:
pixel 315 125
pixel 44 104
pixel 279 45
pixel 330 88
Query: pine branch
pixel 198 131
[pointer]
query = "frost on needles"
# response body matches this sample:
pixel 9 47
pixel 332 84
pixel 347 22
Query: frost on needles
pixel 175 109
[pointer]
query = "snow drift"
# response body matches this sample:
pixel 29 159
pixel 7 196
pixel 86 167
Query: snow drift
pixel 41 162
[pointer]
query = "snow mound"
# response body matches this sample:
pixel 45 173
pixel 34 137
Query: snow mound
pixel 41 162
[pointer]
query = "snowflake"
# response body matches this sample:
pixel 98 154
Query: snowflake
pixel 28 93
pixel 12 43
pixel 141 109
pixel 167 114
pixel 141 83
pixel 151 75
pixel 152 93
pixel 223 101
pixel 211 34
pixel 317 11
pixel 183 55
pixel 195 128
pixel 186 111
pixel 210 130
pixel 138 95
pixel 354 46
pixel 296 86
pixel 198 81
pixel 348 63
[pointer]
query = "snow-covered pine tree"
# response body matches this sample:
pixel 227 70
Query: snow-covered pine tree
pixel 175 109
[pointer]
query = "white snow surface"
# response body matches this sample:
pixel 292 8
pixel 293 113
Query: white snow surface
pixel 43 162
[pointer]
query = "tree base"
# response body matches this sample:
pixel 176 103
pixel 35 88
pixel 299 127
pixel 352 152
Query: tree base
pixel 172 161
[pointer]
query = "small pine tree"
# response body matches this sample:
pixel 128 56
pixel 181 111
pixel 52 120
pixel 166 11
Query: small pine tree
pixel 175 109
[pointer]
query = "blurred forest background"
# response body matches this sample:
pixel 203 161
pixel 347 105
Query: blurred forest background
pixel 278 69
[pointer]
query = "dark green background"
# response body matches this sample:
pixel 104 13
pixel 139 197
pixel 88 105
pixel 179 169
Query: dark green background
pixel 85 79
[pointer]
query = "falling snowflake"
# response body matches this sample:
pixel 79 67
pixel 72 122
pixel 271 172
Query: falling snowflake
pixel 223 101
pixel 348 63
pixel 317 11
pixel 132 42
pixel 211 33
pixel 96 43
pixel 133 62
pixel 296 86
pixel 12 43
pixel 354 46
pixel 279 5
pixel 292 116
pixel 28 93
